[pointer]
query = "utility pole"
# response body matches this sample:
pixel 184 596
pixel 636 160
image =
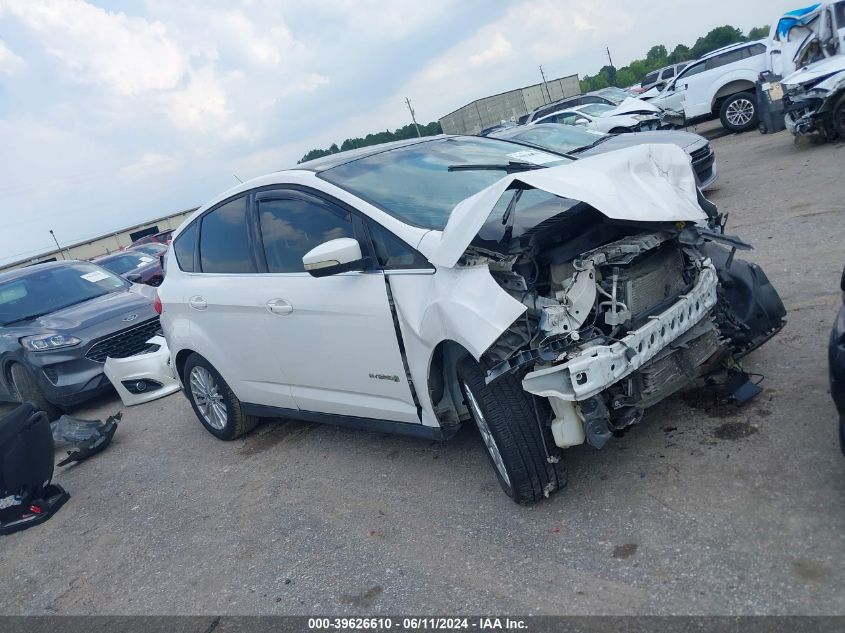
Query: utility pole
pixel 549 94
pixel 413 116
pixel 612 73
pixel 57 244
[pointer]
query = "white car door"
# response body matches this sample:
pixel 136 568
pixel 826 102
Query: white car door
pixel 229 322
pixel 335 337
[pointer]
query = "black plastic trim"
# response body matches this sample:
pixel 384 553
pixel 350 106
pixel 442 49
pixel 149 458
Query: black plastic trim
pixel 351 422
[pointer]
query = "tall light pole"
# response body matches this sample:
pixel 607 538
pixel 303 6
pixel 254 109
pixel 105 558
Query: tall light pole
pixel 413 116
pixel 57 244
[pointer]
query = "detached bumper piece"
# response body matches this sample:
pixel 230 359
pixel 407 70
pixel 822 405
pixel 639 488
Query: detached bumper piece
pixel 143 377
pixel 26 463
pixel 89 436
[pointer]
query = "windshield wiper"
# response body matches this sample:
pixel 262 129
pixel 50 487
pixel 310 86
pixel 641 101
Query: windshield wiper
pixel 593 144
pixel 510 168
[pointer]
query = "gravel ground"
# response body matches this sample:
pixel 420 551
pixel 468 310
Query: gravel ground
pixel 699 510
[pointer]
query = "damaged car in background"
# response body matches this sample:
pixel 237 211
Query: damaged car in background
pixel 415 286
pixel 814 99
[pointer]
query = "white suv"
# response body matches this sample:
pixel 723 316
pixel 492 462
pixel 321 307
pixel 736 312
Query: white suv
pixel 409 287
pixel 721 83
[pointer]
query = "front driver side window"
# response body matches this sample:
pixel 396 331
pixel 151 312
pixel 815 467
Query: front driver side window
pixel 290 227
pixel 393 253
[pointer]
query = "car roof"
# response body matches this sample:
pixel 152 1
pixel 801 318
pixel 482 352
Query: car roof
pixel 727 48
pixel 18 273
pixel 341 158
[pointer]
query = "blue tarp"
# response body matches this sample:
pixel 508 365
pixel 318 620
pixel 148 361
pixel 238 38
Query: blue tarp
pixel 793 18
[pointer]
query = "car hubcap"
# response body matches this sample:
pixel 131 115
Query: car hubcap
pixel 740 112
pixel 207 397
pixel 486 435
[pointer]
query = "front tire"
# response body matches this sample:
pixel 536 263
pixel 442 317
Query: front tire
pixel 739 112
pixel 505 416
pixel 837 117
pixel 214 402
pixel 27 390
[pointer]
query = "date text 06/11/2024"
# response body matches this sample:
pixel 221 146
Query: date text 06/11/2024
pixel 417 624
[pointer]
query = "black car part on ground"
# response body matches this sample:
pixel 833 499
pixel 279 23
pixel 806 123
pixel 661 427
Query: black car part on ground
pixel 26 469
pixel 89 437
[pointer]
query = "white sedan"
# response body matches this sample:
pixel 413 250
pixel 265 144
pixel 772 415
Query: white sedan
pixel 626 117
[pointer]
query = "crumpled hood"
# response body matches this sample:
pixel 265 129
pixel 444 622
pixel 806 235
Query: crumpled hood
pixel 646 183
pixel 816 71
pixel 632 105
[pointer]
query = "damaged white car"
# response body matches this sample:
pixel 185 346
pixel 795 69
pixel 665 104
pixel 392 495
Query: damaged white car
pixel 814 100
pixel 410 287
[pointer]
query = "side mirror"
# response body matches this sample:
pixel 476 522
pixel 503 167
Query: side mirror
pixel 660 85
pixel 333 257
pixel 134 278
pixel 581 122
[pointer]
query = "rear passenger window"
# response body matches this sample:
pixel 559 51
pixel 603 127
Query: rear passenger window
pixel 725 58
pixel 650 78
pixel 224 243
pixel 184 246
pixel 693 70
pixel 668 73
pixel 756 49
pixel 291 227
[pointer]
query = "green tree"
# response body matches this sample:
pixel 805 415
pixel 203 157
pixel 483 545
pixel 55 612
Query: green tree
pixel 716 38
pixel 657 53
pixel 680 53
pixel 759 32
pixel 404 132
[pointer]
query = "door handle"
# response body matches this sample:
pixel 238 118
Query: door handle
pixel 198 303
pixel 279 306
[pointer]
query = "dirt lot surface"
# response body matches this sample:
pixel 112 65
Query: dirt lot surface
pixel 700 509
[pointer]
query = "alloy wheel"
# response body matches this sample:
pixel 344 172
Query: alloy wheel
pixel 486 434
pixel 207 396
pixel 740 112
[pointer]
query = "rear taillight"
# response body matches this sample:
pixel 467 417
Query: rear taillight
pixel 157 304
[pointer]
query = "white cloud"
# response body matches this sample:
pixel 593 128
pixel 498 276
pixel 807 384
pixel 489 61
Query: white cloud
pixel 499 49
pixel 130 56
pixel 9 62
pixel 200 105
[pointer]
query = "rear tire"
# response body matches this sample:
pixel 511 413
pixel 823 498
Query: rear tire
pixel 505 416
pixel 739 112
pixel 214 402
pixel 28 391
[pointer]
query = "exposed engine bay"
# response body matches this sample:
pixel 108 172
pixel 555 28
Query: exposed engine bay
pixel 814 102
pixel 620 315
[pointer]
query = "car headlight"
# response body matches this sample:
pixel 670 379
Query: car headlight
pixel 47 343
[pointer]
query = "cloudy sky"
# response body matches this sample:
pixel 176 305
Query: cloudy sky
pixel 116 112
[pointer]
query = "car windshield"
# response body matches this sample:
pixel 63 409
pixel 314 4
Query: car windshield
pixel 122 264
pixel 562 139
pixel 617 95
pixel 596 109
pixel 414 182
pixel 43 291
